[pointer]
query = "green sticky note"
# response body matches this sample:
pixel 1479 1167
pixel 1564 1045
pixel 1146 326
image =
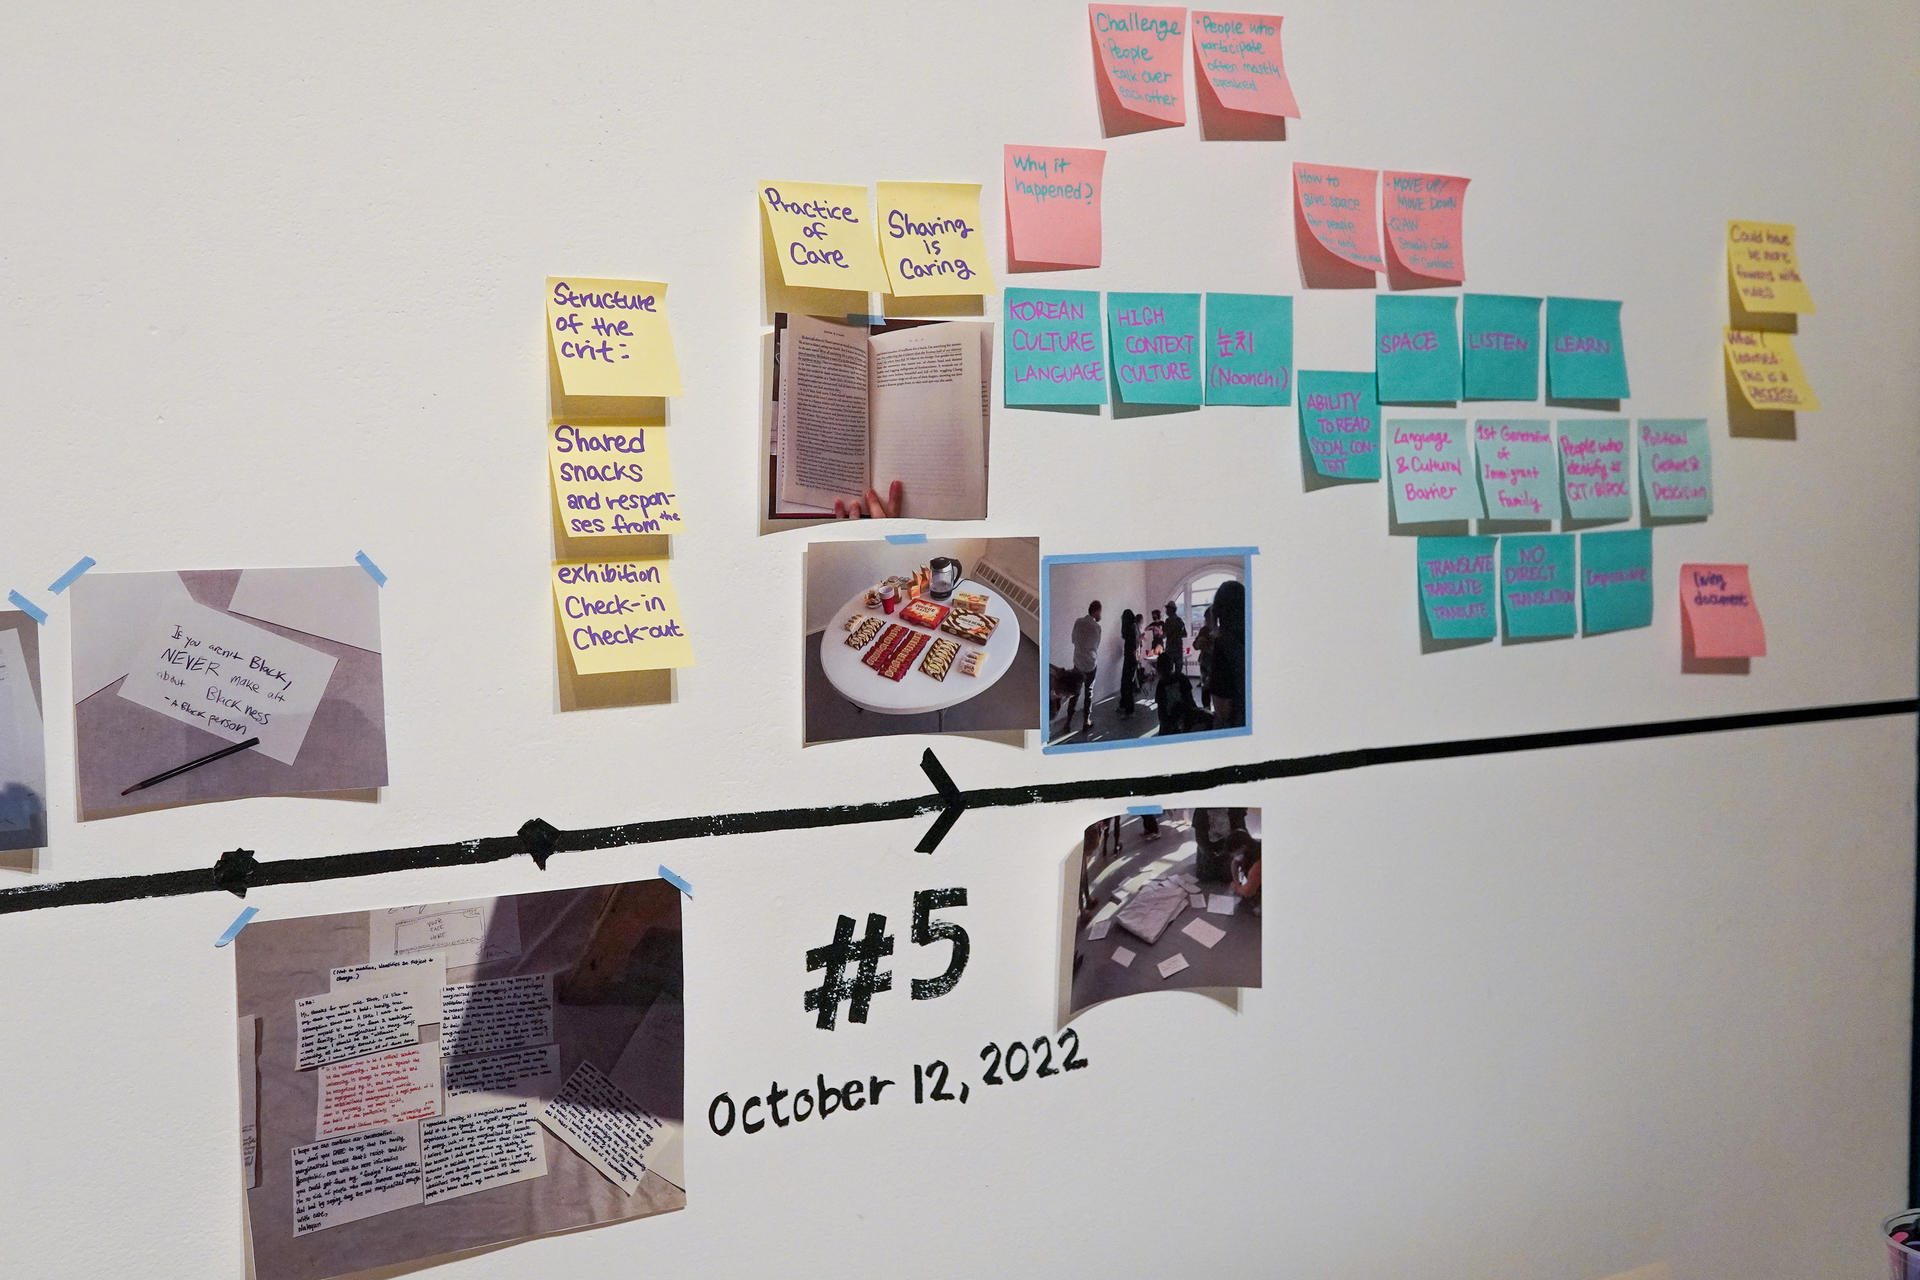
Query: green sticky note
pixel 1519 471
pixel 1053 349
pixel 1593 468
pixel 1249 348
pixel 1585 358
pixel 1676 466
pixel 1155 340
pixel 1500 341
pixel 1536 584
pixel 1616 580
pixel 1416 349
pixel 1456 587
pixel 1432 468
pixel 1340 423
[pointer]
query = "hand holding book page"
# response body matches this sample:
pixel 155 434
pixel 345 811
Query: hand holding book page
pixel 859 410
pixel 874 506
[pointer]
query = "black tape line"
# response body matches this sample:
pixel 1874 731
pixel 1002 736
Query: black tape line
pixel 466 853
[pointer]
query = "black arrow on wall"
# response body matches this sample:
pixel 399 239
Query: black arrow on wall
pixel 239 871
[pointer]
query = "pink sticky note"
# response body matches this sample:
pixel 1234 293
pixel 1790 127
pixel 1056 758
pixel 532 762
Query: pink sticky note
pixel 1053 206
pixel 1237 56
pixel 1139 51
pixel 1422 212
pixel 1718 615
pixel 1337 209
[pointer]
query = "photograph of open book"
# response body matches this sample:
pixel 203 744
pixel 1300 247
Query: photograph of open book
pixel 858 408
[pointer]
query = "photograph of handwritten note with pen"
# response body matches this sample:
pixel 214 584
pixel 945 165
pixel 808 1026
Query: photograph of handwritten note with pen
pixel 215 685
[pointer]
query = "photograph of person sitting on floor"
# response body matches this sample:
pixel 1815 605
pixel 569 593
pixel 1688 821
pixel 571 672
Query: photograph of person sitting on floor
pixel 1165 900
pixel 1144 647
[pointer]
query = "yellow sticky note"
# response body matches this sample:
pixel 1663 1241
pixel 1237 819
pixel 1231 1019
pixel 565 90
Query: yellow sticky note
pixel 823 235
pixel 619 615
pixel 1766 267
pixel 612 482
pixel 610 337
pixel 1768 371
pixel 930 238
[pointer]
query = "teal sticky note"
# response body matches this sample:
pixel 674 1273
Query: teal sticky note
pixel 1155 341
pixel 1519 470
pixel 1593 468
pixel 1053 350
pixel 1616 580
pixel 1456 587
pixel 1676 466
pixel 1585 357
pixel 1340 423
pixel 1249 348
pixel 1537 584
pixel 1416 349
pixel 1431 465
pixel 1500 346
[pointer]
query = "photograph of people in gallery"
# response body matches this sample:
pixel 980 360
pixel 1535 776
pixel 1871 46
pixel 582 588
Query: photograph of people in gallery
pixel 1145 647
pixel 927 637
pixel 1165 900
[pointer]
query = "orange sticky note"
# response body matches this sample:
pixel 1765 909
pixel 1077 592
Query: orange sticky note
pixel 1238 56
pixel 1338 208
pixel 1718 616
pixel 1422 213
pixel 1768 370
pixel 1053 205
pixel 1140 51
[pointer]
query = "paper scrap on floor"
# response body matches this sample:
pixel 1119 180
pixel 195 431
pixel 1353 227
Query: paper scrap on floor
pixel 496 1014
pixel 1221 904
pixel 249 1101
pixel 378 1091
pixel 462 1154
pixel 1203 933
pixel 1123 957
pixel 486 1081
pixel 606 1128
pixel 231 678
pixel 1172 965
pixel 476 931
pixel 334 1028
pixel 422 975
pixel 355 1176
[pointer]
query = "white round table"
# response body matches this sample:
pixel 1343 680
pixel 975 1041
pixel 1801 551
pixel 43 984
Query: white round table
pixel 916 692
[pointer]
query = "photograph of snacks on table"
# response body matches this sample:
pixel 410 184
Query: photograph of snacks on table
pixel 927 637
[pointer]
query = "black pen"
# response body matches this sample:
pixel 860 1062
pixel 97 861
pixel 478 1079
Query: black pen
pixel 191 764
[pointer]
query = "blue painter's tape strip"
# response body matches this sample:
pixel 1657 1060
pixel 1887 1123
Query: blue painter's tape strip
pixel 676 881
pixel 239 923
pixel 365 561
pixel 866 320
pixel 68 578
pixel 906 539
pixel 1153 809
pixel 28 607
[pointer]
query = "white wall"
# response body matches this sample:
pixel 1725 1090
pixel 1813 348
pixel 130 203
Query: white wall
pixel 272 295
pixel 1071 588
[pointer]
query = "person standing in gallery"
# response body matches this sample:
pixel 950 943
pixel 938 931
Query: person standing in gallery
pixel 1086 655
pixel 1173 654
pixel 1203 654
pixel 1227 670
pixel 1129 658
